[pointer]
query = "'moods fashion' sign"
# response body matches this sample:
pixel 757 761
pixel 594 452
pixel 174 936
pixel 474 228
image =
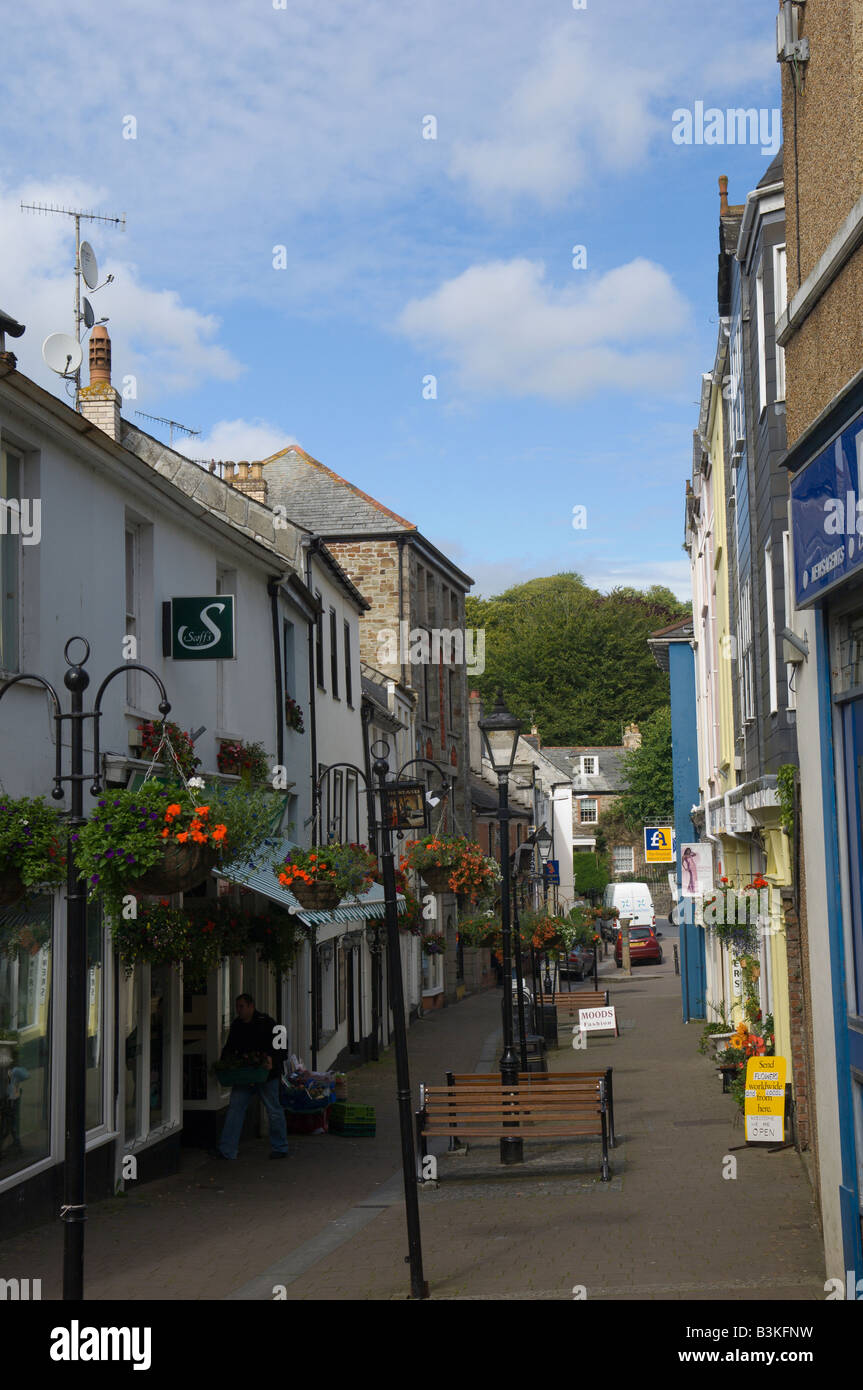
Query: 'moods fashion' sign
pixel 827 516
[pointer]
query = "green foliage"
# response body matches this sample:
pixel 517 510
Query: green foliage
pixel 152 732
pixel 786 779
pixel 31 840
pixel 648 771
pixel 591 873
pixel 349 869
pixel 574 660
pixel 246 760
pixel 708 1032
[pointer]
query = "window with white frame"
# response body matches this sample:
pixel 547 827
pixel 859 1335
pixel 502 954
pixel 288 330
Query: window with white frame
pixel 589 810
pixel 762 337
pixel 735 370
pixel 623 859
pixel 588 766
pixel 780 303
pixel 771 626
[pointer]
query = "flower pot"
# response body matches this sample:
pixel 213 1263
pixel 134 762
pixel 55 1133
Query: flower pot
pixel 182 867
pixel 317 897
pixel 437 878
pixel 11 887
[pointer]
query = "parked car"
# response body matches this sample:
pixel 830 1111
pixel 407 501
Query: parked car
pixel 578 963
pixel 643 947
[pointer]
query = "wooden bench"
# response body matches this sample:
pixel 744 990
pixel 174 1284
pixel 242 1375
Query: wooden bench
pixel 584 1080
pixel 523 1112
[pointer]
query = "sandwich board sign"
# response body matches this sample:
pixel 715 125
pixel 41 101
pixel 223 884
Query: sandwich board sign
pixel 764 1100
pixel 599 1019
pixel 200 629
pixel 658 844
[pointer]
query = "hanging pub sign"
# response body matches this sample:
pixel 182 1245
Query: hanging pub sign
pixel 199 629
pixel 403 806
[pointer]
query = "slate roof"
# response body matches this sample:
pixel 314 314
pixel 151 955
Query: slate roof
pixel 322 501
pixel 608 780
pixel 681 630
pixel 774 173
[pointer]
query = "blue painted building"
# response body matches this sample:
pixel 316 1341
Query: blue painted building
pixel 672 651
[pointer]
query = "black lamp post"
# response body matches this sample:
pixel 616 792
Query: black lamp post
pixel 76 680
pixel 500 732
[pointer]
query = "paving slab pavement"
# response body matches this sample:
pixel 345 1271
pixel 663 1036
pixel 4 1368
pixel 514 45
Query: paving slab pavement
pixel 329 1223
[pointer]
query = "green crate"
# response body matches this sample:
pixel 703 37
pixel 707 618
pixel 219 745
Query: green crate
pixel 348 1112
pixel 354 1131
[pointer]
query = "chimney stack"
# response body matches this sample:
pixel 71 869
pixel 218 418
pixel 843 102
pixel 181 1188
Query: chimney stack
pixel 723 194
pixel 249 478
pixel 631 737
pixel 100 402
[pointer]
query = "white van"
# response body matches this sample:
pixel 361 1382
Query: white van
pixel 632 900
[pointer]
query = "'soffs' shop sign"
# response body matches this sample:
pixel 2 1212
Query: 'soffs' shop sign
pixel 827 516
pixel 199 629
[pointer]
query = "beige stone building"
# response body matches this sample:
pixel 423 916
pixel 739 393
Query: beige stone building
pixel 820 328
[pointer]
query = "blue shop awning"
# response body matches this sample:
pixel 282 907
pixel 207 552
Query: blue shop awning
pixel 258 875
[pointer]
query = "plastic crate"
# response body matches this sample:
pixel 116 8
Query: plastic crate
pixel 350 1113
pixel 354 1131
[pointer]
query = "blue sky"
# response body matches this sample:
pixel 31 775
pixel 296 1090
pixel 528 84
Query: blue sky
pixel 302 127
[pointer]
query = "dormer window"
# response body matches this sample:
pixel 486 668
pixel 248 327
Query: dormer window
pixel 588 767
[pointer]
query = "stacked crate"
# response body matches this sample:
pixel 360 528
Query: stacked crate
pixel 350 1119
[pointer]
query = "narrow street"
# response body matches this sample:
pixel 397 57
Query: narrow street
pixel 329 1224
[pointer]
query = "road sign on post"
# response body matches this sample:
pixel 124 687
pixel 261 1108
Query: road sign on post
pixel 658 844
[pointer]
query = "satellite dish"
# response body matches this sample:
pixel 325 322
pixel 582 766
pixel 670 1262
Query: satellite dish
pixel 89 265
pixel 89 316
pixel 62 354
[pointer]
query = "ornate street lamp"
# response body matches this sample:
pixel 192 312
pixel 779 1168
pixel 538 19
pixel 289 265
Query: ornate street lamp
pixel 500 732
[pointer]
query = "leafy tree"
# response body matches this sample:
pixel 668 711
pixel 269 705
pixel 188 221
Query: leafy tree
pixel 648 771
pixel 572 660
pixel 591 873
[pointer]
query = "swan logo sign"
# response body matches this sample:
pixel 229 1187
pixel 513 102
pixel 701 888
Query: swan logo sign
pixel 201 629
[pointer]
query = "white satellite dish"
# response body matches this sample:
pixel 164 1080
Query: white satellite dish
pixel 89 316
pixel 62 353
pixel 89 265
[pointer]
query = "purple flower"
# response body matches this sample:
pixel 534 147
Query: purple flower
pixel 107 827
pixel 95 878
pixel 74 837
pixel 130 858
pixel 116 803
pixel 103 803
pixel 109 853
pixel 154 815
pixel 142 825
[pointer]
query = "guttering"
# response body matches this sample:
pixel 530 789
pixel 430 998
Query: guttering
pixel 758 195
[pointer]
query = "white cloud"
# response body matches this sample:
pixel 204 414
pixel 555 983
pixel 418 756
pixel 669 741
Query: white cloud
pixel 238 440
pixel 641 574
pixel 507 330
pixel 162 342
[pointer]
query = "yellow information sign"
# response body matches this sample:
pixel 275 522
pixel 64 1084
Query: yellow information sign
pixel 658 844
pixel 764 1100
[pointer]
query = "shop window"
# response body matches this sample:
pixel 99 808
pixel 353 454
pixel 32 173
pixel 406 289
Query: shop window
pixel 334 655
pixel 95 1110
pixel 341 987
pixel 25 1034
pixel 132 1054
pixel 349 675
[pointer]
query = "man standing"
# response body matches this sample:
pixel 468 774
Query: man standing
pixel 253 1032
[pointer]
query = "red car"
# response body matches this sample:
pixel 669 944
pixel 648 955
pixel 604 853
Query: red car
pixel 643 947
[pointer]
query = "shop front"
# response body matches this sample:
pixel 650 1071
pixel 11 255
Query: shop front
pixel 826 517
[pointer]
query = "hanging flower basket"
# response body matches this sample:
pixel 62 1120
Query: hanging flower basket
pixel 182 868
pixel 437 879
pixel 317 897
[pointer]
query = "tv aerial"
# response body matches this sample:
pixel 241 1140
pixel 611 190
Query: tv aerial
pixel 86 269
pixel 172 425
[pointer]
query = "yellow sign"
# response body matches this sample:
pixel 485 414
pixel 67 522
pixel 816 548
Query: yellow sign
pixel 658 844
pixel 764 1099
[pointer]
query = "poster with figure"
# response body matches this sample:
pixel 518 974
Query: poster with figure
pixel 696 863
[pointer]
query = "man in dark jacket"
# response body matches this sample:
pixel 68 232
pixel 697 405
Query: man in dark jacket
pixel 250 1032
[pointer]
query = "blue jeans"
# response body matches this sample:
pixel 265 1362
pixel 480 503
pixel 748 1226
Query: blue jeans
pixel 239 1103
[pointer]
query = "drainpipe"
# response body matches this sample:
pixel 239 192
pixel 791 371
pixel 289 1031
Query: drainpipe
pixel 273 591
pixel 312 548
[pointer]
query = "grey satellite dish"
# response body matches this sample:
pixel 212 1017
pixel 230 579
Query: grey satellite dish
pixel 62 354
pixel 89 316
pixel 89 265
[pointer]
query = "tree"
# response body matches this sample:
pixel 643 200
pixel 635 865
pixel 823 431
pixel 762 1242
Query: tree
pixel 572 660
pixel 591 873
pixel 648 770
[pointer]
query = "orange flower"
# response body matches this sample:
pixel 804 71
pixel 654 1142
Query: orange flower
pixel 164 834
pixel 218 833
pixel 202 811
pixel 183 836
pixel 173 811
